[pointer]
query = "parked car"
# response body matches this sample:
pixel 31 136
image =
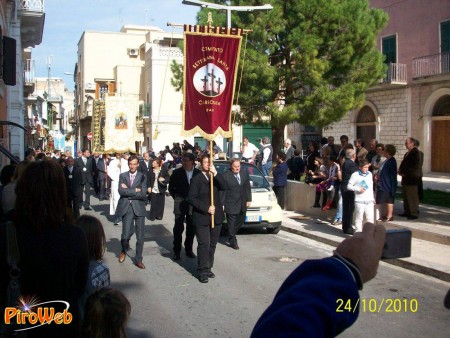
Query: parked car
pixel 264 210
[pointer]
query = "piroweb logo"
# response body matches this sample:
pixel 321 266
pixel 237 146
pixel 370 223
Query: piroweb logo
pixel 30 314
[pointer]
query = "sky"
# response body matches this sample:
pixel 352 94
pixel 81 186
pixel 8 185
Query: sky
pixel 66 20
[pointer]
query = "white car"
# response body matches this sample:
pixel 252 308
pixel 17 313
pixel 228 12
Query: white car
pixel 264 210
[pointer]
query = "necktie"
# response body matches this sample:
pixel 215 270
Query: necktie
pixel 131 180
pixel 238 178
pixel 84 160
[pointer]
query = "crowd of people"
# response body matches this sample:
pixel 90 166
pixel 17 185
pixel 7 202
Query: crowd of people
pixel 349 178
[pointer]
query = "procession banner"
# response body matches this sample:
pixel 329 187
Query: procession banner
pixel 211 57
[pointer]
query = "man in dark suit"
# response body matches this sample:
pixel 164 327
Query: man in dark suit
pixel 100 175
pixel 238 196
pixel 131 206
pixel 179 190
pixel 74 187
pixel 86 164
pixel 409 170
pixel 146 164
pixel 207 235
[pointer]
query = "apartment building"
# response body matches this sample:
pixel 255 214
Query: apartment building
pixel 414 97
pixel 21 25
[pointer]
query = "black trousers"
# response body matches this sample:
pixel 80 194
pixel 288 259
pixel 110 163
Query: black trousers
pixel 101 188
pixel 348 207
pixel 234 223
pixel 279 192
pixel 130 222
pixel 178 233
pixel 157 206
pixel 87 194
pixel 73 202
pixel 207 238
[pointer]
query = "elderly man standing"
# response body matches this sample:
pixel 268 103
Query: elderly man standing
pixel 179 189
pixel 248 150
pixel 238 195
pixel 288 149
pixel 409 170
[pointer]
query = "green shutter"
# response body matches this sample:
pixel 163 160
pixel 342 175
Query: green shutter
pixel 445 36
pixel 390 49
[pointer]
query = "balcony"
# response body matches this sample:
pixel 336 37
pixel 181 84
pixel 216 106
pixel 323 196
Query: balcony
pixel 431 65
pixel 395 74
pixel 28 78
pixel 32 17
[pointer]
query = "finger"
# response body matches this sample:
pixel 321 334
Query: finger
pixel 368 229
pixel 380 233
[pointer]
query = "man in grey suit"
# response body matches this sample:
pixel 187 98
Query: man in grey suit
pixel 131 206
pixel 237 197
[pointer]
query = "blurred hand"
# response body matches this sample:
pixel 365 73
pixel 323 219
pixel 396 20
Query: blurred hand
pixel 365 249
pixel 248 204
pixel 212 169
pixel 212 209
pixel 161 179
pixel 123 185
pixel 149 190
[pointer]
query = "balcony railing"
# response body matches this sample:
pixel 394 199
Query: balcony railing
pixel 31 5
pixel 28 72
pixel 396 74
pixel 430 65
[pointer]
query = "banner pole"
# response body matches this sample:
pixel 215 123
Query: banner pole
pixel 211 179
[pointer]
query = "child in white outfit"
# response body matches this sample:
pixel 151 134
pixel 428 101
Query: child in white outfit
pixel 361 182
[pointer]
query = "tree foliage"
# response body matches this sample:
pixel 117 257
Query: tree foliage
pixel 309 61
pixel 315 58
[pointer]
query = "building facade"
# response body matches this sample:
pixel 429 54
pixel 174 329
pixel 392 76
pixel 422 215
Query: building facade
pixel 413 100
pixel 22 24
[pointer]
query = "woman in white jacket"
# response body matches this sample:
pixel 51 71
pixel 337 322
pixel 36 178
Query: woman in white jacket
pixel 361 182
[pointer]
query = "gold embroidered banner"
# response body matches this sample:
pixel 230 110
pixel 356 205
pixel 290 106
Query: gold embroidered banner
pixel 211 57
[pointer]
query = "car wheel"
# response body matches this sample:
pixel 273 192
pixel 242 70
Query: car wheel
pixel 273 230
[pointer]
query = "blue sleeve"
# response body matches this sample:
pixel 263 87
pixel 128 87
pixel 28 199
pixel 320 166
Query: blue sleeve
pixel 307 302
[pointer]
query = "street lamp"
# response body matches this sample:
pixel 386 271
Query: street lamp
pixel 228 8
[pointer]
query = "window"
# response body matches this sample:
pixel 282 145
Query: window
pixel 389 49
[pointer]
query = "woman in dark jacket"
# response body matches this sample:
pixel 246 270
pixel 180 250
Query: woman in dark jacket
pixel 313 152
pixel 53 253
pixel 386 179
pixel 158 179
pixel 280 178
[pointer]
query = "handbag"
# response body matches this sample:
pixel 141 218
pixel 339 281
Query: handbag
pixel 13 290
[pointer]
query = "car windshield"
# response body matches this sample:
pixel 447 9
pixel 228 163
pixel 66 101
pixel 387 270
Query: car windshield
pixel 257 180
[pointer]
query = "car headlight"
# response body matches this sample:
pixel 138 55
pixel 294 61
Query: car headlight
pixel 272 196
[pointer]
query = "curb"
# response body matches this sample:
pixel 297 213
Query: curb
pixel 444 276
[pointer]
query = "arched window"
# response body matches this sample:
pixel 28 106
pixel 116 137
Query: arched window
pixel 366 125
pixel 442 106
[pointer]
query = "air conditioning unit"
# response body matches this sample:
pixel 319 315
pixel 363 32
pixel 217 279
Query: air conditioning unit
pixel 133 51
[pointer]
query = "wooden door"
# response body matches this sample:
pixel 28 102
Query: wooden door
pixel 440 147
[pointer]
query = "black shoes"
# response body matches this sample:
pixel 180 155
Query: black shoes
pixel 411 217
pixel 349 231
pixel 190 254
pixel 403 215
pixel 210 275
pixel 234 246
pixel 203 278
pixel 87 208
pixel 176 256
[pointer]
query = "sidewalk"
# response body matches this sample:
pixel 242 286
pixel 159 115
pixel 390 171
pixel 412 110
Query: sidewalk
pixel 430 247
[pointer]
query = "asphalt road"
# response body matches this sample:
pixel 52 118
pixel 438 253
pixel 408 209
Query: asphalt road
pixel 168 301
